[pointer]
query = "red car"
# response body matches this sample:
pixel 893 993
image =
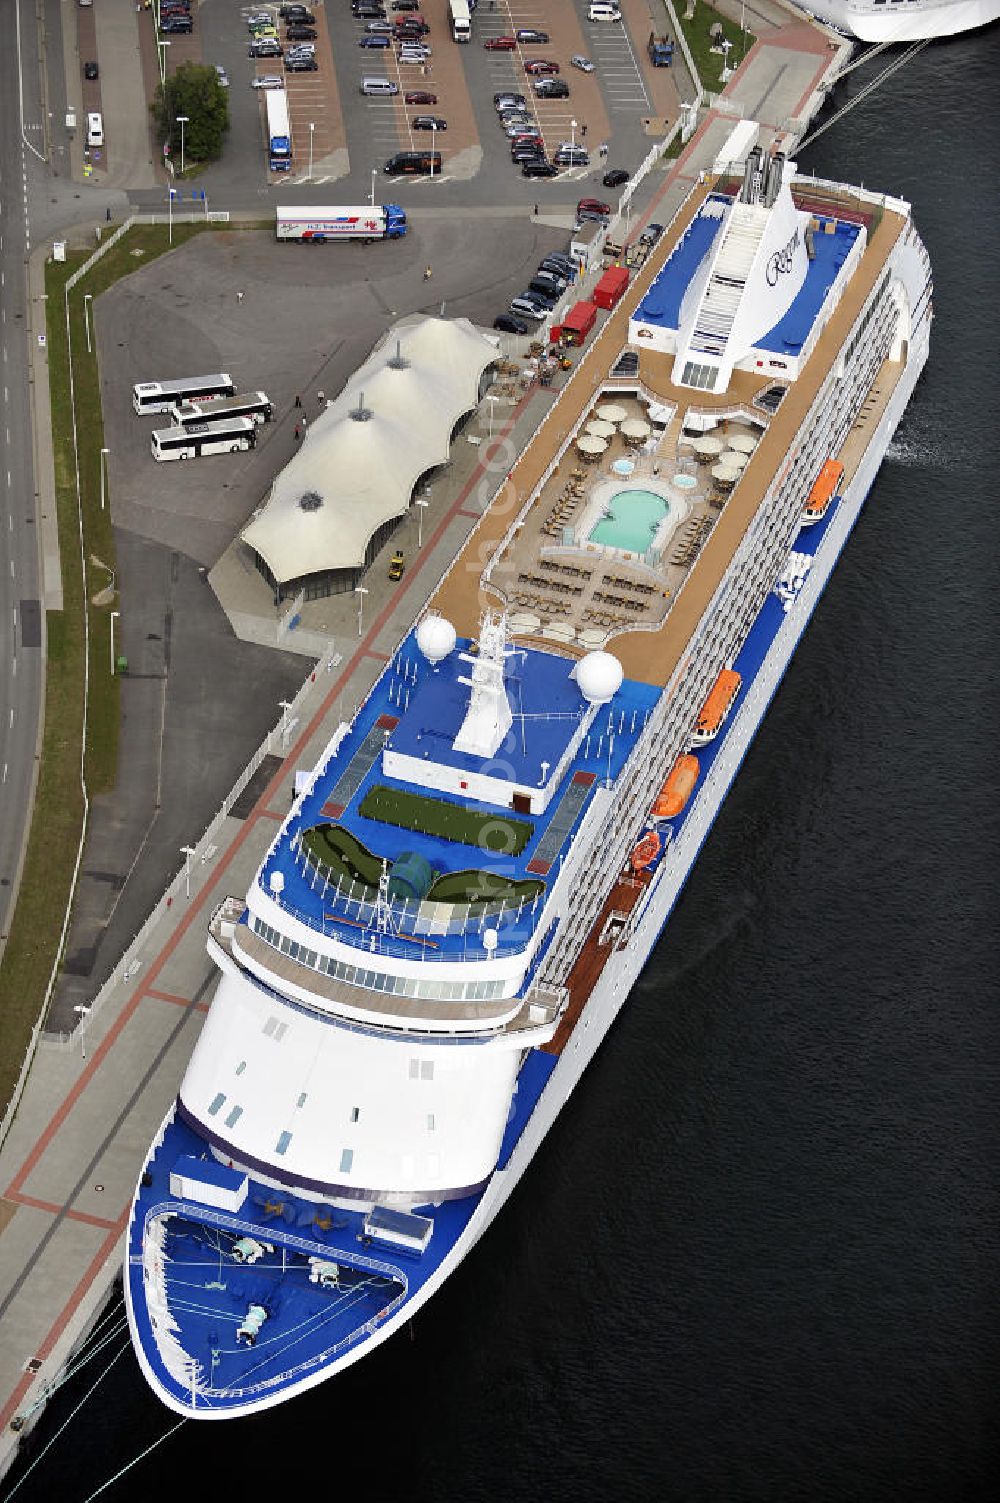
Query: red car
pixel 419 96
pixel 500 44
pixel 539 67
pixel 593 206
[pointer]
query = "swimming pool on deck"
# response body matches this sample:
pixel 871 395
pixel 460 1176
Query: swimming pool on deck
pixel 633 519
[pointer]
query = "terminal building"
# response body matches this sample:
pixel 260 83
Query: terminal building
pixel 334 505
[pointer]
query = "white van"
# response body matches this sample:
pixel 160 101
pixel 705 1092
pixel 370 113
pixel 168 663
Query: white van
pixel 604 12
pixel 95 130
pixel 379 86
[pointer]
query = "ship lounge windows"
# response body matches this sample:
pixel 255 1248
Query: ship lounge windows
pixel 216 1105
pixel 283 1141
pixel 346 1160
pixel 234 1116
pixel 355 1113
pixel 703 377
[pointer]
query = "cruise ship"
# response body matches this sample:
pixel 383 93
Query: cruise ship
pixel 474 873
pixel 903 20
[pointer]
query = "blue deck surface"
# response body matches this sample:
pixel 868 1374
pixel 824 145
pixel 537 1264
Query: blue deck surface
pixel 540 686
pixel 662 303
pixel 308 1327
pixel 789 334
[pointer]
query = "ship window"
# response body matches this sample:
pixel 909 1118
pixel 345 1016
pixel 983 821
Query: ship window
pixel 346 1160
pixel 355 1113
pixel 302 1100
pixel 283 1141
pixel 216 1103
pixel 241 1067
pixel 430 1121
pixel 234 1116
pixel 269 1027
pixel 280 1030
pixel 426 1069
pixel 414 1069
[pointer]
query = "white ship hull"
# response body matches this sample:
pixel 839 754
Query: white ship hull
pixel 904 20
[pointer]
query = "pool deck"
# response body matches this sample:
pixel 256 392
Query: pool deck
pixel 550 483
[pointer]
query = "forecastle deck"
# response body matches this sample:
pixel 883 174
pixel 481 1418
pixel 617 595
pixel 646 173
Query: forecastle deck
pixel 653 651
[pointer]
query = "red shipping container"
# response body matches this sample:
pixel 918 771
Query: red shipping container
pixel 611 286
pixel 577 324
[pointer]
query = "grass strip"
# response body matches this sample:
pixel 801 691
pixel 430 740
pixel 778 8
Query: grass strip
pixel 347 860
pixel 696 34
pixel 57 817
pixel 446 821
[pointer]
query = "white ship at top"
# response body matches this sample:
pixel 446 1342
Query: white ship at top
pixel 460 901
pixel 903 20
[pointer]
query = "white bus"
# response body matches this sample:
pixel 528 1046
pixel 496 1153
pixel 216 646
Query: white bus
pixel 161 396
pixel 251 404
pixel 191 442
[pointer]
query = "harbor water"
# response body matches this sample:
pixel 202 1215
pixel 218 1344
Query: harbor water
pixel 756 1257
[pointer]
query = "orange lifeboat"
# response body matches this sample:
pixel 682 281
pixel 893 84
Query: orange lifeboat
pixel 678 788
pixel 823 491
pixel 646 852
pixel 717 706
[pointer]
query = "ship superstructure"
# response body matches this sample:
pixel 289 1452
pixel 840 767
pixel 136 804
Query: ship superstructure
pixel 461 898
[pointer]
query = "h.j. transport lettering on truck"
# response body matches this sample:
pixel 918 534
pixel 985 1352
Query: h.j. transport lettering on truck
pixel 370 222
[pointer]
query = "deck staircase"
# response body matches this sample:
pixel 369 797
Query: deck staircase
pixel 717 312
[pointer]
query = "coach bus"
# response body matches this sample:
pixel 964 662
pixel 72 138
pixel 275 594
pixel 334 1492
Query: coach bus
pixel 251 404
pixel 196 439
pixel 161 396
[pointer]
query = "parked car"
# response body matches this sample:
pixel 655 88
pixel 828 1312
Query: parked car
pixel 379 28
pixel 367 9
pixel 527 151
pixel 90 70
pixel 544 291
pixel 583 63
pixel 408 55
pixel 540 67
pixel 561 265
pixel 267 48
pixel 543 299
pixel 551 280
pixel 222 75
pixel 539 169
pixel 526 34
pixel 262 28
pixel 301 33
pixel 379 41
pixel 301 65
pixel 268 81
pixel 508 324
pixel 552 88
pixel 428 122
pixel 410 33
pixel 594 206
pixel 255 18
pixel 571 156
pixel 178 23
pixel 419 96
pixel 530 306
pixel 615 177
pixel 651 233
pixel 406 4
pixel 506 100
pixel 500 44
pixel 286 12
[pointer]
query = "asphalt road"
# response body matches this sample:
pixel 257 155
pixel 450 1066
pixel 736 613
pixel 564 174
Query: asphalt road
pixel 21 624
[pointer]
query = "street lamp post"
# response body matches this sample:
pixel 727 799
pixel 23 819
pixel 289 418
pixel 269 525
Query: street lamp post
pixel 82 1010
pixel 361 592
pixel 374 176
pixel 312 132
pixel 572 133
pixel 434 136
pixel 284 705
pixel 187 851
pixel 423 504
pixel 493 400
pixel 182 120
pixel 103 462
pixel 162 45
pixel 114 614
pixel 171 195
pixel 87 299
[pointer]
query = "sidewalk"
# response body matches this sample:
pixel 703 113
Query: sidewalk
pixel 93 1102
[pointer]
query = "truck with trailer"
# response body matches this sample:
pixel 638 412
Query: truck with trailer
pixel 279 131
pixel 317 225
pixel 461 20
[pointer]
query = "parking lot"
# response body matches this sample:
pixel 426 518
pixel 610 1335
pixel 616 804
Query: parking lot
pixel 338 132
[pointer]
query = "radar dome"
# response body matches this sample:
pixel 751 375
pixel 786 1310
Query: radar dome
pixel 599 676
pixel 435 637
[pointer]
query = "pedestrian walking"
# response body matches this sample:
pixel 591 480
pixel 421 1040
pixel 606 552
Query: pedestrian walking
pixel 298 400
pixel 583 133
pixel 304 421
pixel 320 397
pixel 298 431
pixel 239 297
pixel 536 211
pixel 428 273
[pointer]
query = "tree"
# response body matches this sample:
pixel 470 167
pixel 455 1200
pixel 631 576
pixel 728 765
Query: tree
pixel 193 90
